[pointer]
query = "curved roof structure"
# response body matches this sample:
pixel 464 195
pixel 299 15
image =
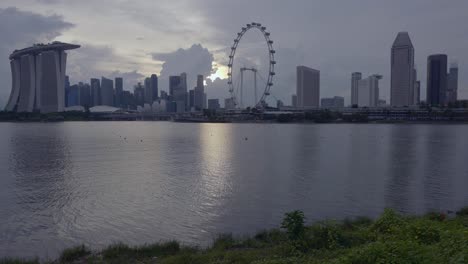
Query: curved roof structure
pixel 38 48
pixel 103 109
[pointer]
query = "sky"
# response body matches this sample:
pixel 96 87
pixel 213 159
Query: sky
pixel 135 38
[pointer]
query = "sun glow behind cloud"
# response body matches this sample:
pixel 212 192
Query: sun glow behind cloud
pixel 221 72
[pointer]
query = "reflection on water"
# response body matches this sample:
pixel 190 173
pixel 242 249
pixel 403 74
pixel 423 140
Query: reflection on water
pixel 97 183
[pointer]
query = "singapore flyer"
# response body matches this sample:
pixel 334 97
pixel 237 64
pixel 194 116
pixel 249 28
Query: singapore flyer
pixel 237 96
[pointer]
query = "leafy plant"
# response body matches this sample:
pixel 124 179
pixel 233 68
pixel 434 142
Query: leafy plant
pixel 293 222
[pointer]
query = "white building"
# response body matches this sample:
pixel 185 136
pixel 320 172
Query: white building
pixel 308 87
pixel 368 91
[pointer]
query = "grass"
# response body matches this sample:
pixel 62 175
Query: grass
pixel 392 238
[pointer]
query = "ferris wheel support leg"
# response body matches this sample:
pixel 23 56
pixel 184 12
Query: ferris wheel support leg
pixel 242 90
pixel 255 85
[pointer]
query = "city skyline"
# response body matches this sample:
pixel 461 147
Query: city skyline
pixel 139 50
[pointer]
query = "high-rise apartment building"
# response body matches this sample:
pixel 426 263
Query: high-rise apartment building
pixel 199 94
pixel 154 86
pixel 118 92
pixel 95 92
pixel 308 87
pixel 452 84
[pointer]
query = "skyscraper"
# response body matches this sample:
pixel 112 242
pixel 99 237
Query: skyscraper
pixel 38 75
pixel 416 89
pixel 67 89
pixel 452 85
pixel 95 92
pixel 402 66
pixel 148 91
pixel 369 91
pixel 139 94
pixel 199 94
pixel 355 77
pixel 436 79
pixel 107 92
pixel 178 91
pixel 294 100
pixel 308 87
pixel 85 94
pixel 154 86
pixel 118 92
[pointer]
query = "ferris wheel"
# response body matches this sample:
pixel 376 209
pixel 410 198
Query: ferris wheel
pixel 271 71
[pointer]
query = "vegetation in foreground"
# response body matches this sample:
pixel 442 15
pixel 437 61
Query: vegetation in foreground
pixel 392 238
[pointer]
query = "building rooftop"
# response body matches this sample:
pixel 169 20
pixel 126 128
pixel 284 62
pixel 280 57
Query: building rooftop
pixel 38 48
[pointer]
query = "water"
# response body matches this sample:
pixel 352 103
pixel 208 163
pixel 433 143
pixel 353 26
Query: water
pixel 97 183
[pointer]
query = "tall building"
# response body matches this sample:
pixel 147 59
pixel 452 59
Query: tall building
pixel 192 99
pixel 308 87
pixel 436 79
pixel 369 91
pixel 95 92
pixel 178 91
pixel 85 94
pixel 67 89
pixel 107 92
pixel 148 91
pixel 199 94
pixel 334 102
pixel 402 66
pixel 452 84
pixel 38 78
pixel 294 100
pixel 139 94
pixel 416 88
pixel 154 86
pixel 118 92
pixel 73 96
pixel 213 104
pixel 355 78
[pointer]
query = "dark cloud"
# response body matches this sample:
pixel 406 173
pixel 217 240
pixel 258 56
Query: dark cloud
pixel 19 30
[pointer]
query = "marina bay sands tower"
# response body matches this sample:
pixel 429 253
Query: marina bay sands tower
pixel 38 78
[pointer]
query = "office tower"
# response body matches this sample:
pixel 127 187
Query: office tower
pixel 452 84
pixel 416 88
pixel 67 89
pixel 85 94
pixel 294 100
pixel 95 92
pixel 128 100
pixel 74 95
pixel 164 95
pixel 199 94
pixel 178 91
pixel 402 66
pixel 118 92
pixel 192 99
pixel 38 78
pixel 355 77
pixel 368 94
pixel 107 92
pixel 139 94
pixel 213 104
pixel 308 87
pixel 154 86
pixel 148 91
pixel 334 102
pixel 436 79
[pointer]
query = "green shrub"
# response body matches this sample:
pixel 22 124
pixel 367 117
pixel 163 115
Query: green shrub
pixel 293 222
pixel 424 233
pixel 18 261
pixel 326 235
pixel 223 242
pixel 463 211
pixel 75 253
pixel 389 223
pixel 435 216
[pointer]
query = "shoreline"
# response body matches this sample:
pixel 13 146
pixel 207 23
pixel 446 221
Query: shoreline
pixel 432 238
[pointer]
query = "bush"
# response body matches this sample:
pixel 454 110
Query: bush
pixel 75 253
pixel 223 242
pixel 293 222
pixel 389 223
pixel 463 212
pixel 326 236
pixel 424 233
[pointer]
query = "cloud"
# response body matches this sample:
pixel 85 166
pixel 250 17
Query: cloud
pixel 193 61
pixel 20 29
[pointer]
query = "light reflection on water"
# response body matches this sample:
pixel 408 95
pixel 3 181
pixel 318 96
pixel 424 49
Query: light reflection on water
pixel 101 182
